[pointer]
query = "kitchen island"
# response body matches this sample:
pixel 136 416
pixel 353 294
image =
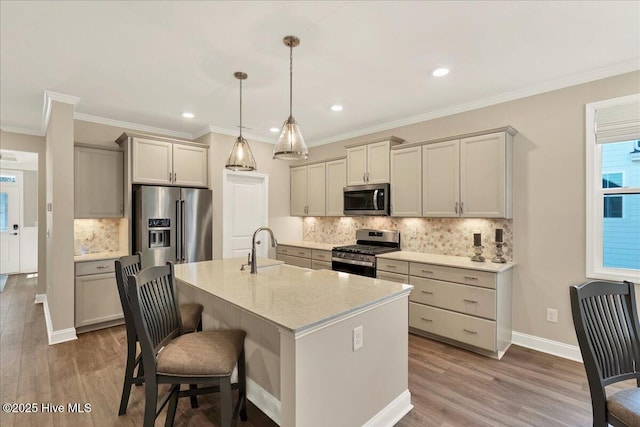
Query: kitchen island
pixel 302 365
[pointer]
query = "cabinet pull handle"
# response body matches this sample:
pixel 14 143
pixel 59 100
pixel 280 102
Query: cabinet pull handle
pixel 175 177
pixel 427 271
pixel 300 253
pixel 392 266
pixel 470 278
pixel 101 267
pixel 461 208
pixel 426 320
pixel 470 332
pixel 456 207
pixel 170 176
pixel 427 292
pixel 470 301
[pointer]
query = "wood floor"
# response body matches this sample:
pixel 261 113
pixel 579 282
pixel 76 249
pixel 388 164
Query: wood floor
pixel 449 386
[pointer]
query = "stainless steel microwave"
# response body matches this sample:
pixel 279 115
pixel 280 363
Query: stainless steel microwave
pixel 370 199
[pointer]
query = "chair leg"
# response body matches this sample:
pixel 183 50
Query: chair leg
pixel 173 404
pixel 140 371
pixel 226 410
pixel 199 327
pixel 128 376
pixel 242 386
pixel 150 404
pixel 194 399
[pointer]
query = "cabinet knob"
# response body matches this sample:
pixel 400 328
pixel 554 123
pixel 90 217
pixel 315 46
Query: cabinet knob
pixel 461 208
pixel 470 332
pixel 456 208
pixel 425 319
pixel 470 301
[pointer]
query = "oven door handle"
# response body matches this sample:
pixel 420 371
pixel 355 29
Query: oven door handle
pixel 353 262
pixel 375 200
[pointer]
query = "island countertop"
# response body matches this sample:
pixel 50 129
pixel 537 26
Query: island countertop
pixel 293 298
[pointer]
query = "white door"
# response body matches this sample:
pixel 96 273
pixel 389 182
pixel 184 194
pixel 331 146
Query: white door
pixel 245 208
pixel 9 224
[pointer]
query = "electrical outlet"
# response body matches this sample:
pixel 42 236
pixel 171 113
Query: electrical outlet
pixel 358 338
pixel 552 315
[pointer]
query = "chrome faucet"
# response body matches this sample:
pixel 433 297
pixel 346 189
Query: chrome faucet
pixel 254 260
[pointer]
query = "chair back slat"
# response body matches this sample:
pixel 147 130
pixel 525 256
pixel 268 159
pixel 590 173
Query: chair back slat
pixel 154 302
pixel 127 266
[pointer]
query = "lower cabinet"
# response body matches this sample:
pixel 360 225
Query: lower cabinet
pixel 392 270
pixel 97 303
pixel 315 259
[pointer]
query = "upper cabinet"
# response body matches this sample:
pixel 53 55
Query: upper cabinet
pixel 336 173
pixel 406 182
pixel 169 163
pixel 98 183
pixel 308 190
pixel 369 163
pixel 469 177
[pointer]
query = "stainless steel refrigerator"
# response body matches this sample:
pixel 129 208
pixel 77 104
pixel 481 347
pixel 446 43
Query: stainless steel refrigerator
pixel 172 224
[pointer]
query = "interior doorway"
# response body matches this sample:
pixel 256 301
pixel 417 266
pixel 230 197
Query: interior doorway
pixel 245 208
pixel 18 212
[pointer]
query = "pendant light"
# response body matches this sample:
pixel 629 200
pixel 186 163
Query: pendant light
pixel 241 157
pixel 290 144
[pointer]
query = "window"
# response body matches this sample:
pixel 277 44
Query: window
pixel 4 211
pixel 613 189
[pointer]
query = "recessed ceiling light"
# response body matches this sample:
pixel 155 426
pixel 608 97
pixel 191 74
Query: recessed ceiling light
pixel 188 115
pixel 439 72
pixel 275 130
pixel 336 107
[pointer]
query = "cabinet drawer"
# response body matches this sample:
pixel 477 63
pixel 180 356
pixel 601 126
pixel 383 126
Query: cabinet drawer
pixel 95 267
pixel 97 299
pixel 465 276
pixel 294 260
pixel 321 255
pixel 459 327
pixel 320 265
pixel 472 300
pixel 392 265
pixel 393 277
pixel 294 251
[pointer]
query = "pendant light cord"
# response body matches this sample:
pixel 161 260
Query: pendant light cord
pixel 290 79
pixel 240 109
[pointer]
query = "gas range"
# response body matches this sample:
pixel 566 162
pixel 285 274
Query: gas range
pixel 361 257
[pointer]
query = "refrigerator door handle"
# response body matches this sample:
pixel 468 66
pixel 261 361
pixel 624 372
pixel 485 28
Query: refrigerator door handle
pixel 182 232
pixel 178 228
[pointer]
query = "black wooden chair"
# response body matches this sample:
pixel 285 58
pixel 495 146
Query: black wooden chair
pixel 606 320
pixel 191 315
pixel 205 358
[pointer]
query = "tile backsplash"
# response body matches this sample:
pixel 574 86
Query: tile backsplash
pixel 446 236
pixel 96 235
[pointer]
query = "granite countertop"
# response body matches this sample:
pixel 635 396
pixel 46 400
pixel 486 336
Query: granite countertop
pixel 293 298
pixel 98 256
pixel 311 245
pixel 447 260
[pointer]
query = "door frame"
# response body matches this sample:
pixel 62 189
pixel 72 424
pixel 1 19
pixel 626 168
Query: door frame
pixel 227 217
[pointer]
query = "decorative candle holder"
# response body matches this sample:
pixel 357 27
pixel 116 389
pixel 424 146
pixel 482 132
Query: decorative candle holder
pixel 499 254
pixel 478 256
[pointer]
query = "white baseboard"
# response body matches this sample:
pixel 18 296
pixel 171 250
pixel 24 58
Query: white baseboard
pixel 393 412
pixel 40 298
pixel 56 337
pixel 571 352
pixel 264 400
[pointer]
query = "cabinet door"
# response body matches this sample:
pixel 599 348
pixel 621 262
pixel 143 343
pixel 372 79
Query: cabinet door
pixel 98 183
pixel 440 179
pixel 152 162
pixel 406 182
pixel 378 163
pixel 483 176
pixel 316 189
pixel 190 165
pixel 97 299
pixel 356 165
pixel 298 191
pixel 336 179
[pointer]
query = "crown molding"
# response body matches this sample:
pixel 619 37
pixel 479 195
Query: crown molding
pixel 24 131
pixel 49 97
pixel 600 73
pixel 224 131
pixel 132 126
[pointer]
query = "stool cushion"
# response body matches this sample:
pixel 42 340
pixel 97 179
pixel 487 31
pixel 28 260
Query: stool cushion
pixel 191 314
pixel 201 354
pixel 624 406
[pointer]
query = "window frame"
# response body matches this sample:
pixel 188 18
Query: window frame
pixel 595 268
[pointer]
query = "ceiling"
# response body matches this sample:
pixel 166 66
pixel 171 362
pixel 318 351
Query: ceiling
pixel 145 62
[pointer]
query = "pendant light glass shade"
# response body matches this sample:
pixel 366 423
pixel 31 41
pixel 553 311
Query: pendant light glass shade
pixel 290 144
pixel 241 157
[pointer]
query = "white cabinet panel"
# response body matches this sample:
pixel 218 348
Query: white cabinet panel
pixel 406 182
pixel 336 179
pixel 152 162
pixel 190 166
pixel 97 299
pixel 316 189
pixel 378 163
pixel 298 191
pixel 440 179
pixel 98 183
pixel 356 165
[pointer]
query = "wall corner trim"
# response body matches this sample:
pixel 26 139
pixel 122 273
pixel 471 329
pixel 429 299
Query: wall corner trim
pixel 49 97
pixel 56 337
pixel 556 348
